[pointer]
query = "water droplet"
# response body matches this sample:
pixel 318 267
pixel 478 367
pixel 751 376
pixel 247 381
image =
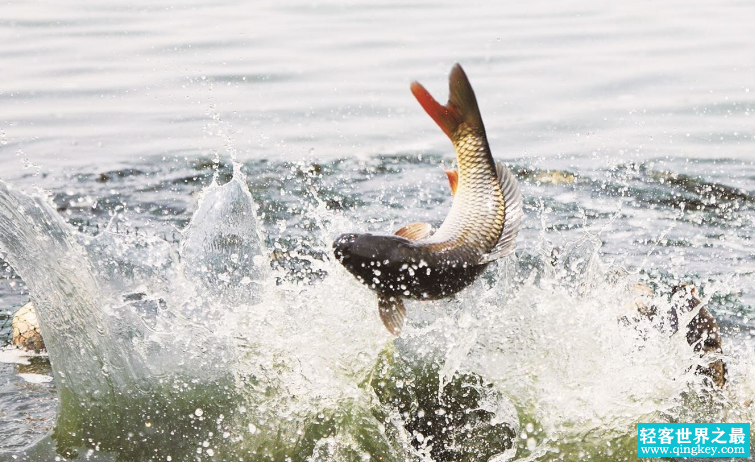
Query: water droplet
pixel 531 444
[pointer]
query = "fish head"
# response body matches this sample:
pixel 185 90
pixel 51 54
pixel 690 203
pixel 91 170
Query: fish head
pixel 362 253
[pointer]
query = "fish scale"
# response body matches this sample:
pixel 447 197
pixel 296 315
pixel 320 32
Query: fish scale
pixel 476 219
pixel 481 226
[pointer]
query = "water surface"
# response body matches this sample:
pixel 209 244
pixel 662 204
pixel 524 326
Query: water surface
pixel 630 127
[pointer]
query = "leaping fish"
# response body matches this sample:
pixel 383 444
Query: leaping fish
pixel 482 225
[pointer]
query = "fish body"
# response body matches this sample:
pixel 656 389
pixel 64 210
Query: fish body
pixel 398 267
pixel 481 226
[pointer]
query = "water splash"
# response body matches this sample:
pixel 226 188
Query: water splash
pixel 155 350
pixel 203 351
pixel 225 261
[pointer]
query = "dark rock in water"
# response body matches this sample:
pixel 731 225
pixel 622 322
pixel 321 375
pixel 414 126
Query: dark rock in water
pixel 702 332
pixel 37 365
pixel 453 421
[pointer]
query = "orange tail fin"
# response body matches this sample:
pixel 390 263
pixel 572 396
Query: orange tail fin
pixel 461 106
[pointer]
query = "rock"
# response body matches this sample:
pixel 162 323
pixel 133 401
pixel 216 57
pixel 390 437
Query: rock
pixel 550 177
pixel 26 332
pixel 702 331
pixel 555 177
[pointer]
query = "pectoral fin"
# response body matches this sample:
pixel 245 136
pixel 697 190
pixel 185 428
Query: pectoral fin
pixel 453 180
pixel 392 313
pixel 415 231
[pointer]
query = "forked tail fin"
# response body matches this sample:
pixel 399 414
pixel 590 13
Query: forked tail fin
pixel 461 106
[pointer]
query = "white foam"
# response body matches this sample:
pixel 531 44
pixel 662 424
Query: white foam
pixel 12 355
pixel 36 378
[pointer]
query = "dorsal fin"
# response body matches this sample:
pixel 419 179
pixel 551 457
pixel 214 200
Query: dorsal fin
pixel 512 199
pixel 461 106
pixel 392 313
pixel 415 231
pixel 453 180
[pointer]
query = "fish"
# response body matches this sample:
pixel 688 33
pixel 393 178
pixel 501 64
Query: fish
pixel 421 263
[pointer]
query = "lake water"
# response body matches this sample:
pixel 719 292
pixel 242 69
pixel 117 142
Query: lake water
pixel 631 127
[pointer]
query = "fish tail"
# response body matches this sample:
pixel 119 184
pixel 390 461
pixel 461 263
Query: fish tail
pixel 461 107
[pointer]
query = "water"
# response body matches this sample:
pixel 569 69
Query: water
pixel 192 320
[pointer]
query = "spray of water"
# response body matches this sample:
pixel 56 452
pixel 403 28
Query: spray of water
pixel 203 351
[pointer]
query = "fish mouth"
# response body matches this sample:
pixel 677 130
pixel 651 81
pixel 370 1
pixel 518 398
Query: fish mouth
pixel 341 246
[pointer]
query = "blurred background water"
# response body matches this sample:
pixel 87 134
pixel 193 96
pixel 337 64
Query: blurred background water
pixel 88 83
pixel 632 119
